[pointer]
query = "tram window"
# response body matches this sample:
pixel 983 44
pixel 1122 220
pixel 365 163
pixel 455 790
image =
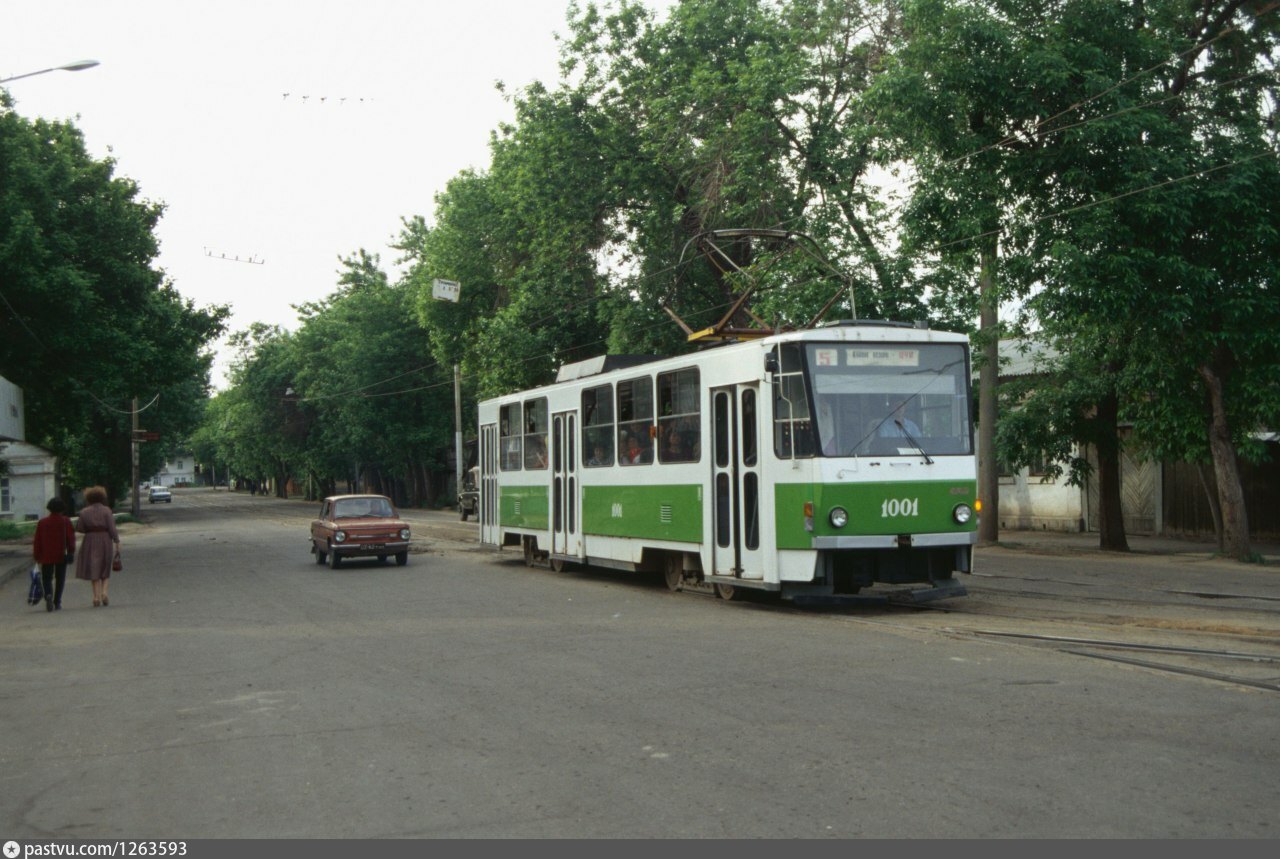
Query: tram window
pixel 679 421
pixel 635 421
pixel 722 430
pixel 597 425
pixel 511 433
pixel 792 429
pixel 724 510
pixel 749 454
pixel 535 433
pixel 751 510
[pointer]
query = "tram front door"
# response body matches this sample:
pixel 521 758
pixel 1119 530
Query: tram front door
pixel 735 481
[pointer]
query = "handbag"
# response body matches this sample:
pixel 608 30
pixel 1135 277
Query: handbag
pixel 35 595
pixel 116 566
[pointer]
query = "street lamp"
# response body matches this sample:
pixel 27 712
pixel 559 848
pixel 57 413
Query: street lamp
pixel 69 67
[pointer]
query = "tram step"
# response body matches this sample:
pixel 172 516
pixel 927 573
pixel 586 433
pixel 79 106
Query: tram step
pixel 900 596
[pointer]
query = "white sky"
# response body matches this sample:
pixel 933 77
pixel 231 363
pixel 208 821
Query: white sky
pixel 190 100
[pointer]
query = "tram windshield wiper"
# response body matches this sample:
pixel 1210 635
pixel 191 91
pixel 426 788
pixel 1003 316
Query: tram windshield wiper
pixel 903 427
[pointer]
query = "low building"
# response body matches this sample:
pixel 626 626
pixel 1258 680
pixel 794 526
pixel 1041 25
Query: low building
pixel 179 471
pixel 29 473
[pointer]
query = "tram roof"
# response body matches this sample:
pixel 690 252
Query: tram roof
pixel 884 331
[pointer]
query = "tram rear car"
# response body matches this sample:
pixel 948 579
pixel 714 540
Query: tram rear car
pixel 813 464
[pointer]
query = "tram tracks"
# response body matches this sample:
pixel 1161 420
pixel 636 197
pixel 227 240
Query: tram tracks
pixel 1264 673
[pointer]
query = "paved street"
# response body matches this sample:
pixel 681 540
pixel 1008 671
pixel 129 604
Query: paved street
pixel 234 688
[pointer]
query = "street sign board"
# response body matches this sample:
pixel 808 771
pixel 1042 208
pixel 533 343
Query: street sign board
pixel 445 290
pixel 143 435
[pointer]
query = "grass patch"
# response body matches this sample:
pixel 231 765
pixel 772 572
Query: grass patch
pixel 16 530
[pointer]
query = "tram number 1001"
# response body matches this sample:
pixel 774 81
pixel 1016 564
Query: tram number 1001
pixel 899 507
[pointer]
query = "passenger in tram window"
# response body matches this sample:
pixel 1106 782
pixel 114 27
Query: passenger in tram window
pixel 536 455
pixel 674 450
pixel 598 456
pixel 637 452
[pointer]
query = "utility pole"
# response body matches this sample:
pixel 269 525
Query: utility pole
pixel 136 507
pixel 457 423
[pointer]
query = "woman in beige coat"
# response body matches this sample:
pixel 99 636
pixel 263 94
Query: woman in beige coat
pixel 100 543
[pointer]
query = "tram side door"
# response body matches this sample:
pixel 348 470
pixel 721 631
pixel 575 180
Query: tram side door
pixel 566 533
pixel 489 484
pixel 735 481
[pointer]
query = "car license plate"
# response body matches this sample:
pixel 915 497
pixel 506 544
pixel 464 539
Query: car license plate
pixel 375 546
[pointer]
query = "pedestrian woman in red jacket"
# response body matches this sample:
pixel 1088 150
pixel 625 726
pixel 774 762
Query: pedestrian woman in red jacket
pixel 53 546
pixel 100 544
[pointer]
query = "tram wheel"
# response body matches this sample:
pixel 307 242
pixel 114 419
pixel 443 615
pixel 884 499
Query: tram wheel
pixel 529 555
pixel 557 565
pixel 728 592
pixel 674 573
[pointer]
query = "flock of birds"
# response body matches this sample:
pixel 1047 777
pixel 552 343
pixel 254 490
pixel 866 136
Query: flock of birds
pixel 325 98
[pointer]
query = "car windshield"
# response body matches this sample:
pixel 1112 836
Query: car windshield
pixel 362 508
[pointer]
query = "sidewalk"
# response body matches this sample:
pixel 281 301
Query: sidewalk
pixel 1058 542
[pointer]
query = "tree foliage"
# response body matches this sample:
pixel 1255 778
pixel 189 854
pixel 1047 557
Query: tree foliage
pixel 352 398
pixel 87 322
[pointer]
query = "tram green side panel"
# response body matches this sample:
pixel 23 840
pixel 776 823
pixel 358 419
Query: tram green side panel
pixel 524 507
pixel 934 501
pixel 652 512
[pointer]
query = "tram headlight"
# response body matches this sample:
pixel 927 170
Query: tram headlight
pixel 962 513
pixel 339 536
pixel 839 517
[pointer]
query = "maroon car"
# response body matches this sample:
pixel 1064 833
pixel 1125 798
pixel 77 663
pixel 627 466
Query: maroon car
pixel 352 526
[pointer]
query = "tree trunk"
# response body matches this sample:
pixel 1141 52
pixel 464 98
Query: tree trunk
pixel 988 376
pixel 1110 509
pixel 1235 518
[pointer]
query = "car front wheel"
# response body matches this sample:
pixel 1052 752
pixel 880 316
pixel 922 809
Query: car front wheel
pixel 320 556
pixel 402 558
pixel 334 560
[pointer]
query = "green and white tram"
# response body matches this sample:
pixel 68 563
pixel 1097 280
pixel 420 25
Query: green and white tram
pixel 813 464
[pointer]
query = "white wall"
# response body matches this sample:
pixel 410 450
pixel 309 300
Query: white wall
pixel 1028 504
pixel 181 470
pixel 32 480
pixel 12 419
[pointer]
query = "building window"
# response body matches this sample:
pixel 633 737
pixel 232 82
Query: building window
pixel 4 495
pixel 1040 465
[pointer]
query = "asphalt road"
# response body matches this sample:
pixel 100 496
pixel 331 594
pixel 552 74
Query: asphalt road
pixel 234 688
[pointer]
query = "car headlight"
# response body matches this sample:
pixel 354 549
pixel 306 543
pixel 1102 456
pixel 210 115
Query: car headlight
pixel 340 536
pixel 962 513
pixel 404 533
pixel 839 517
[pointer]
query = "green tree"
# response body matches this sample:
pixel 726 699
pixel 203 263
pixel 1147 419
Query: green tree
pixel 1113 146
pixel 86 322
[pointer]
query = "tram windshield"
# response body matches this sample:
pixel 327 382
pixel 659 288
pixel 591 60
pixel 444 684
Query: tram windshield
pixel 881 399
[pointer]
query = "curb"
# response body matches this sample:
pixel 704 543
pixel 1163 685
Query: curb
pixel 13 572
